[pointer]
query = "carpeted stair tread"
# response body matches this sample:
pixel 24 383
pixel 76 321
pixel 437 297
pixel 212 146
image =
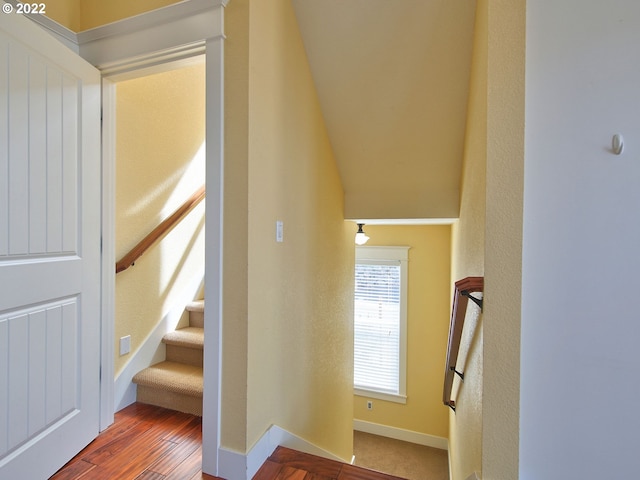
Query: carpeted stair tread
pixel 189 337
pixel 195 306
pixel 172 376
pixel 177 382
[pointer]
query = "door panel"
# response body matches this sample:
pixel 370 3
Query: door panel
pixel 49 251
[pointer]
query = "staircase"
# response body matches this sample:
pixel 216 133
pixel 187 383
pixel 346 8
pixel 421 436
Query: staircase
pixel 177 382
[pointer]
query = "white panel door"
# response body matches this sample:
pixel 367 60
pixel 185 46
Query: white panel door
pixel 49 251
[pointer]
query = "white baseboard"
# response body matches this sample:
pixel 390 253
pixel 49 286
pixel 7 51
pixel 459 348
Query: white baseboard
pixel 279 436
pixel 401 434
pixel 232 465
pixel 235 465
pixel 449 460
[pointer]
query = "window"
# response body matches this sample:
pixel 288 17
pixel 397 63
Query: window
pixel 380 322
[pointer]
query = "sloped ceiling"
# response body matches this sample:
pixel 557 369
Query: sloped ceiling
pixel 392 78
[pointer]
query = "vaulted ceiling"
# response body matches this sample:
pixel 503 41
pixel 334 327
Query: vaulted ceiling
pixel 392 78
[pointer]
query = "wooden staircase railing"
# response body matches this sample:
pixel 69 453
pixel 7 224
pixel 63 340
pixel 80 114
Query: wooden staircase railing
pixel 157 233
pixel 463 290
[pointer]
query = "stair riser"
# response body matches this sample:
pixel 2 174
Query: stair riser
pixel 196 319
pixel 171 400
pixel 190 356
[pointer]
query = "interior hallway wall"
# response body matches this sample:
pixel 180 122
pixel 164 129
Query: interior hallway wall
pixel 506 27
pixel 468 240
pixel 581 234
pixel 288 356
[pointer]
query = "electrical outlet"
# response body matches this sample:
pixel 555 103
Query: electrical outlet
pixel 369 405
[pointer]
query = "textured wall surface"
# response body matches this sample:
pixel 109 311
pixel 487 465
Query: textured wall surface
pixel 288 306
pixel 159 164
pixel 503 247
pixel 465 428
pixel 300 291
pixel 236 227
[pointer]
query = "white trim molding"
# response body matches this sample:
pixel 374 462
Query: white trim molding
pixel 386 255
pixel 401 434
pixel 179 41
pixel 172 33
pixel 389 397
pixel 239 466
pixel 107 385
pixel 214 208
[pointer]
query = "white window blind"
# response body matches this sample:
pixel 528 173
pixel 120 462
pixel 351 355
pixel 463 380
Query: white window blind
pixel 377 326
pixel 380 322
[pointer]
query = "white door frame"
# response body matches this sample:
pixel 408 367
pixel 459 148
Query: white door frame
pixel 126 49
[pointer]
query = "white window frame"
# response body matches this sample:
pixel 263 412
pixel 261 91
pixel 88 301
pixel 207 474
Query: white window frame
pixel 395 254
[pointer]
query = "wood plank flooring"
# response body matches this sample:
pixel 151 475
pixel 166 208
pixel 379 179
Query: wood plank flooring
pixel 287 464
pixel 153 443
pixel 144 443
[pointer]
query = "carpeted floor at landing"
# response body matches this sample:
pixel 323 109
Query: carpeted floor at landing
pixel 402 459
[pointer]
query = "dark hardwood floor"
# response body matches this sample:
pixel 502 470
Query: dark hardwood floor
pixel 153 443
pixel 287 464
pixel 144 443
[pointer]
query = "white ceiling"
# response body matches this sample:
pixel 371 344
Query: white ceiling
pixel 392 78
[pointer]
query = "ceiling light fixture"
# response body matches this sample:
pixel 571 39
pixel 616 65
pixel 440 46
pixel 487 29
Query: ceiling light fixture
pixel 361 237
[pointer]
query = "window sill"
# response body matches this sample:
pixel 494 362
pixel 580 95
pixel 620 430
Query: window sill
pixel 390 397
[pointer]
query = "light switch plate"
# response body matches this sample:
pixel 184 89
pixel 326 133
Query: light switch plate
pixel 279 231
pixel 125 345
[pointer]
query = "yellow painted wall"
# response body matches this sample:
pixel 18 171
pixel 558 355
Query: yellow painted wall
pixel 79 15
pixel 468 234
pixel 427 329
pixel 503 247
pixel 300 291
pixel 489 429
pixel 65 12
pixel 287 306
pixel 159 164
pixel 101 12
pixel 236 227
